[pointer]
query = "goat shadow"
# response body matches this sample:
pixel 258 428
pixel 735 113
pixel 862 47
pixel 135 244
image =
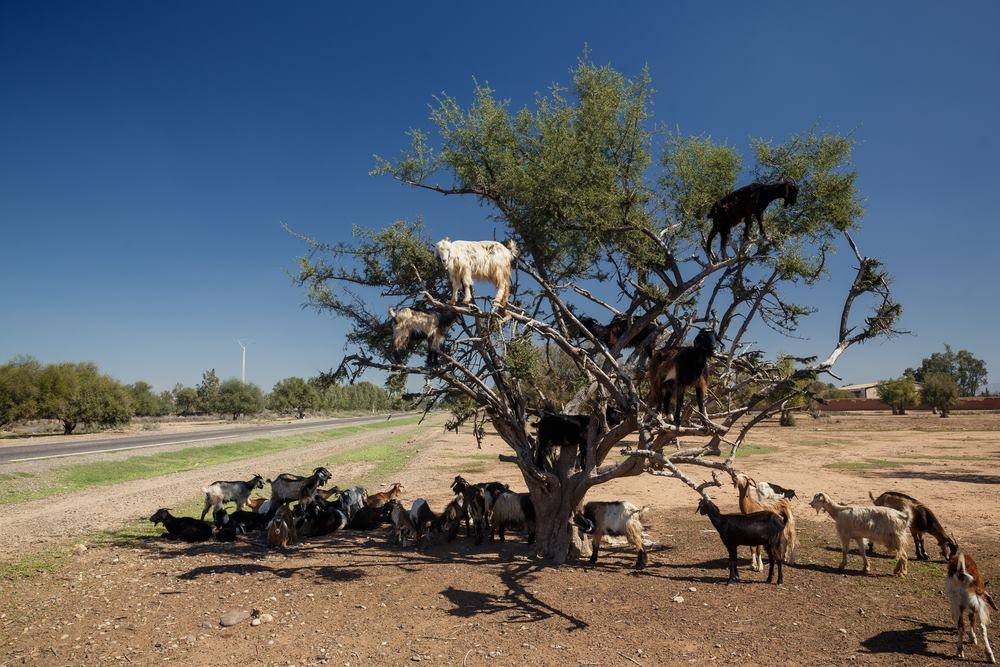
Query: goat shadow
pixel 916 640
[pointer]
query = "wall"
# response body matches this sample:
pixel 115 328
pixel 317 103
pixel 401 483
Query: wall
pixel 868 404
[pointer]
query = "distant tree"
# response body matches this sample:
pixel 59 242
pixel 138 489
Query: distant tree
pixel 939 362
pixel 971 373
pixel 294 395
pixel 239 398
pixel 898 394
pixel 146 403
pixel 208 392
pixel 77 393
pixel 19 390
pixel 167 406
pixel 940 392
pixel 186 400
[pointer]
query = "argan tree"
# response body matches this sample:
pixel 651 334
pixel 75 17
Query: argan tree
pixel 610 218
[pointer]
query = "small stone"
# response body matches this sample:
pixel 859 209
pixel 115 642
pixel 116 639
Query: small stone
pixel 231 618
pixel 692 589
pixel 255 622
pixel 79 549
pixel 266 618
pixel 842 631
pixel 415 658
pixel 678 599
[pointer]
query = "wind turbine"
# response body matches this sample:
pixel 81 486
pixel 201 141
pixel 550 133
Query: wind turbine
pixel 243 368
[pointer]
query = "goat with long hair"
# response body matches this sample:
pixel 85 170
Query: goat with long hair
pixel 410 325
pixel 466 261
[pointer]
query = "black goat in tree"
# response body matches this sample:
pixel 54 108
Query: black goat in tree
pixel 674 369
pixel 745 205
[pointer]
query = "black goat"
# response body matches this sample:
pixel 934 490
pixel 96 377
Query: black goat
pixel 556 429
pixel 513 510
pixel 320 518
pixel 370 518
pixel 477 499
pixel 672 370
pixel 184 528
pixel 745 205
pixel 611 334
pixel 450 519
pixel 750 530
pixel 243 521
pixel 287 487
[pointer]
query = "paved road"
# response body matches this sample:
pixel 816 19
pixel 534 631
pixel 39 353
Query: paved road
pixel 49 450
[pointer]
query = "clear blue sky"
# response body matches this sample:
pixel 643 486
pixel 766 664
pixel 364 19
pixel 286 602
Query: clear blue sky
pixel 150 151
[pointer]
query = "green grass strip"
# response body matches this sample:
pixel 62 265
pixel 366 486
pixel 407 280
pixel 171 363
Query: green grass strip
pixel 867 464
pixel 101 473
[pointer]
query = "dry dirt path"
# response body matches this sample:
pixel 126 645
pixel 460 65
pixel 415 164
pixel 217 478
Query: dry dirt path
pixel 29 526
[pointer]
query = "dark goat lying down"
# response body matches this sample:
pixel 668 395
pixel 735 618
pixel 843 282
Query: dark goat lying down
pixel 185 528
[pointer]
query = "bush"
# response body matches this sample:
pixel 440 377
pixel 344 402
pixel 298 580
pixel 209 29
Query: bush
pixel 19 390
pixel 293 395
pixel 940 392
pixel 898 394
pixel 239 398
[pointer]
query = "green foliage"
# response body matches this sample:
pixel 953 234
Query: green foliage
pixel 148 404
pixel 898 394
pixel 293 395
pixel 940 391
pixel 968 371
pixel 696 173
pixel 186 400
pixel 208 392
pixel 19 390
pixel 971 373
pixel 79 393
pixel 359 397
pixel 238 398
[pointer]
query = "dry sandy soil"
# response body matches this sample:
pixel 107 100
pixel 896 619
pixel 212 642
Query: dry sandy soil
pixel 352 599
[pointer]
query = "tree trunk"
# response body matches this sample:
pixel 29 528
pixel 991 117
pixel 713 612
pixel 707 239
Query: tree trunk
pixel 68 427
pixel 555 538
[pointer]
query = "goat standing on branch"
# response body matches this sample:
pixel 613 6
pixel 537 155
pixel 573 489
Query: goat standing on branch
pixel 410 325
pixel 673 370
pixel 744 206
pixel 466 261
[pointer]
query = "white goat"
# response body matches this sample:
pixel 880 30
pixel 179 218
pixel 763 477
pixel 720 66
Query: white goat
pixel 967 594
pixel 884 525
pixel 619 517
pixel 466 261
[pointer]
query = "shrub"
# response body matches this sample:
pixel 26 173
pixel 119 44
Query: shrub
pixel 940 392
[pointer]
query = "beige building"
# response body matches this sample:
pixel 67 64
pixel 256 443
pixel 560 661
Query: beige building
pixel 866 390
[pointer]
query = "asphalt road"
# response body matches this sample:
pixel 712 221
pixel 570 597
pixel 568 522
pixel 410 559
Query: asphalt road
pixel 49 450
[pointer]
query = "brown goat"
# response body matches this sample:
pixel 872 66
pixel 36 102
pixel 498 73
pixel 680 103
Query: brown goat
pixel 923 521
pixel 782 508
pixel 255 503
pixel 281 530
pixel 381 498
pixel 967 594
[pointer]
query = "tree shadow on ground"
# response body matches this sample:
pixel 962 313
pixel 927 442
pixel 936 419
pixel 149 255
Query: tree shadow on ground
pixel 961 477
pixel 512 561
pixel 916 640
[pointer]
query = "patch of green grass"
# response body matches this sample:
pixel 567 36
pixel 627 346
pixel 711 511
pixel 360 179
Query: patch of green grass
pixel 867 464
pixel 44 562
pixel 11 476
pixel 86 475
pixel 931 457
pixel 754 450
pixel 387 458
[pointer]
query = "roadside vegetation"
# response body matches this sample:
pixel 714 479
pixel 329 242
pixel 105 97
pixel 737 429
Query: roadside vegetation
pixel 75 395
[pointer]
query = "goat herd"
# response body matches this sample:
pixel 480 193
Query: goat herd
pixel 488 509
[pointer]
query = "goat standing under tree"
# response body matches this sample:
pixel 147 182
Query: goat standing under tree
pixel 572 182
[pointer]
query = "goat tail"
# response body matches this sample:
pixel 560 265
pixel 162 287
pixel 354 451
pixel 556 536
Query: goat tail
pixel 514 250
pixel 872 496
pixel 989 600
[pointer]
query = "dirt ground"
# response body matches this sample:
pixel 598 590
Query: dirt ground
pixel 352 599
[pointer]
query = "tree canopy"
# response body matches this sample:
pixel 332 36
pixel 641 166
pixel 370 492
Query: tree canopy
pixel 610 218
